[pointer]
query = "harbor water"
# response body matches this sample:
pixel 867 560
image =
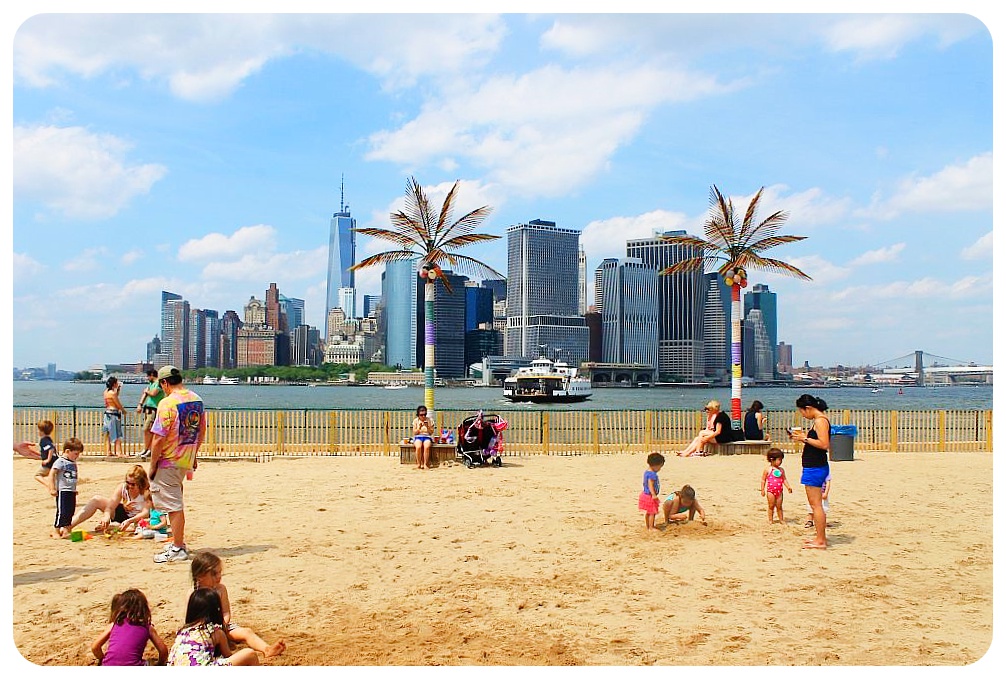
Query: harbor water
pixel 323 397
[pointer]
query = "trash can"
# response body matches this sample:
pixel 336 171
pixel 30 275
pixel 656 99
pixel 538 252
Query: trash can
pixel 842 438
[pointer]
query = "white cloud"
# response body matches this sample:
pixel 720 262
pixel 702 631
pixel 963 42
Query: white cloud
pixel 965 186
pixel 811 207
pixel 607 237
pixel 90 259
pixel 246 240
pixel 25 266
pixel 205 57
pixel 882 36
pixel 929 288
pixel 821 271
pixel 131 257
pixel 879 256
pixel 543 132
pixel 77 173
pixel 258 266
pixel 980 249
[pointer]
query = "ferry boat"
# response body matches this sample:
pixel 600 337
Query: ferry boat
pixel 209 379
pixel 547 382
pixel 229 380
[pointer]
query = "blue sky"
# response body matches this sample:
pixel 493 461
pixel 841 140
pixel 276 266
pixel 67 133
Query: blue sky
pixel 203 153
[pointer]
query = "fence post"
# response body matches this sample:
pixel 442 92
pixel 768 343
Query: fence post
pixel 75 422
pixel 846 417
pixel 595 418
pixel 387 433
pixel 333 420
pixel 988 431
pixel 942 417
pixel 279 432
pixel 648 435
pixel 894 431
pixel 211 439
pixel 544 432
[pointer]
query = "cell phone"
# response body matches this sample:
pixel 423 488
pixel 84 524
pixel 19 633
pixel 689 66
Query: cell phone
pixel 789 430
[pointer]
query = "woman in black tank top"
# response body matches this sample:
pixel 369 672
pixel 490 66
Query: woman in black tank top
pixel 816 442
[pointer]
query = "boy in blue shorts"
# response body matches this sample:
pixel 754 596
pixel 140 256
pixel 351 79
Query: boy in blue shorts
pixel 62 484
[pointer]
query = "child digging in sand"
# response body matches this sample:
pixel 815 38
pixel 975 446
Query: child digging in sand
pixel 649 498
pixel 682 505
pixel 207 571
pixel 773 480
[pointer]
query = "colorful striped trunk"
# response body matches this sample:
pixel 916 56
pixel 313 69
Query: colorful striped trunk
pixel 430 337
pixel 735 352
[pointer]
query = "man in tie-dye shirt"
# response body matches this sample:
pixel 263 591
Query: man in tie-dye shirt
pixel 178 430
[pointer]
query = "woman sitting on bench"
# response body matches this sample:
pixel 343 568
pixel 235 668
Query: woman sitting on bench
pixel 718 429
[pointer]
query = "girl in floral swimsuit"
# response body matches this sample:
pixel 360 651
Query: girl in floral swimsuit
pixel 202 641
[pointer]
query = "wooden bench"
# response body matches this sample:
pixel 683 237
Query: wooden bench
pixel 742 448
pixel 439 452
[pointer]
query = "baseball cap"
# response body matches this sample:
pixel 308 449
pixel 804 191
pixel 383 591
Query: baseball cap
pixel 167 371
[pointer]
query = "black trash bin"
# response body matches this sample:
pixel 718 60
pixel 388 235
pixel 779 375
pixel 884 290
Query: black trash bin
pixel 842 439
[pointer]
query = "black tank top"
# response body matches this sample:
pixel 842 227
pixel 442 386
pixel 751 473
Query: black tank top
pixel 814 457
pixel 751 430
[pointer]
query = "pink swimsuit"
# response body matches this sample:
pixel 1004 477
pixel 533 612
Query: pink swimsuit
pixel 774 483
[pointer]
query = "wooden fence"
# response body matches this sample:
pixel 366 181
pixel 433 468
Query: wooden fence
pixel 262 434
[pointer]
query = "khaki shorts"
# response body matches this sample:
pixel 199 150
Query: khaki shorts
pixel 166 489
pixel 148 419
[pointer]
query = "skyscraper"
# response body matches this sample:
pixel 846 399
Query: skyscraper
pixel 581 281
pixel 197 339
pixel 341 255
pixel 542 295
pixel 478 305
pixel 178 333
pixel 212 339
pixel 370 303
pixel 400 293
pixel 716 327
pixel 763 299
pixel 449 311
pixel 347 301
pixel 758 355
pixel 164 356
pixel 629 320
pixel 680 301
pixel 293 309
pixel 229 326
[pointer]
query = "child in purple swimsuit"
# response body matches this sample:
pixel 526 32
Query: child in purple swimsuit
pixel 128 632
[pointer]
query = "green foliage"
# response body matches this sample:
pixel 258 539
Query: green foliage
pixel 87 376
pixel 292 373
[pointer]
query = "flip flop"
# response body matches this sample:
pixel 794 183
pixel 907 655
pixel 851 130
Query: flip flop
pixel 808 524
pixel 811 545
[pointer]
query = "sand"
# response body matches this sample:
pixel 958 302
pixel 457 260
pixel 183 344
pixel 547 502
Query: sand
pixel 363 561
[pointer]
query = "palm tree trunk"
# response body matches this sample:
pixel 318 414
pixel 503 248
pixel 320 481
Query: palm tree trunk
pixel 430 336
pixel 735 352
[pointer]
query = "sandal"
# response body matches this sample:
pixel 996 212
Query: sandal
pixel 808 524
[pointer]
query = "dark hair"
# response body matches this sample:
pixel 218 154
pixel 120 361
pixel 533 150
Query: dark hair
pixel 151 373
pixel 203 563
pixel 73 444
pixel 755 406
pixel 46 427
pixel 687 492
pixel 130 605
pixel 111 382
pixel 174 379
pixel 654 458
pixel 775 454
pixel 808 401
pixel 418 408
pixel 204 606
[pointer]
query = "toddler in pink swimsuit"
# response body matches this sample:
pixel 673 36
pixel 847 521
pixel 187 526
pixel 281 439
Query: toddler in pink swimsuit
pixel 773 480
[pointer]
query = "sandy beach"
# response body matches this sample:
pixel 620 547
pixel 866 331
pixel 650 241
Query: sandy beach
pixel 545 561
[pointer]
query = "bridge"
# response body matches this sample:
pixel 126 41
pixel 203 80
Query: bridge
pixel 929 369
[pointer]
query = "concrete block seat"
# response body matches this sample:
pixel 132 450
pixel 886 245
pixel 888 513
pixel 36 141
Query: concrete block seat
pixel 439 452
pixel 741 448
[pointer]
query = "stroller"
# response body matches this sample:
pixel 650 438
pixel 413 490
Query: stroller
pixel 480 440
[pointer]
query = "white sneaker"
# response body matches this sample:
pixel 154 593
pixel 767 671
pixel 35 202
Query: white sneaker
pixel 172 553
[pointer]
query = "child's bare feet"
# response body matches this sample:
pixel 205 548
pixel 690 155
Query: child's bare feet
pixel 275 649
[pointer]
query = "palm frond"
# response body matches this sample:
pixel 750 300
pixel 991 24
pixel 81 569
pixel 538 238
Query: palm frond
pixel 690 241
pixel 685 266
pixel 467 223
pixel 446 210
pixel 470 265
pixel 417 209
pixel 767 227
pixel 384 258
pixel 749 216
pixel 462 241
pixel 403 239
pixel 755 261
pixel 772 241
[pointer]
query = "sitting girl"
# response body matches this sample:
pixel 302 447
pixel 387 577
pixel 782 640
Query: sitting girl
pixel 128 632
pixel 682 505
pixel 202 642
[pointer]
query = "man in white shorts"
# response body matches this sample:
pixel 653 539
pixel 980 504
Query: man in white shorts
pixel 178 430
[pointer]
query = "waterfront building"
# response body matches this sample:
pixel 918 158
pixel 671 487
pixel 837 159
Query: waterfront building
pixel 481 342
pixel 211 340
pixel 293 309
pixel 370 303
pixel 230 323
pixel 785 361
pixel 50 371
pixel 255 313
pixel 197 339
pixel 498 286
pixel 757 355
pixel 348 351
pixel 179 334
pixel 256 345
pixel 305 346
pixel 629 320
pixel 341 255
pixel 581 281
pixel 347 301
pixel 400 295
pixel 449 312
pixel 761 298
pixel 153 348
pixel 716 327
pixel 598 292
pixel 595 335
pixel 478 305
pixel 164 355
pixel 680 353
pixel 542 296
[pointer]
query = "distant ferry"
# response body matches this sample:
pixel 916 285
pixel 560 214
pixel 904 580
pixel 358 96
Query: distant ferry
pixel 209 379
pixel 547 382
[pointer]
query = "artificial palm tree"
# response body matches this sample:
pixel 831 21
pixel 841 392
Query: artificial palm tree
pixel 739 246
pixel 421 232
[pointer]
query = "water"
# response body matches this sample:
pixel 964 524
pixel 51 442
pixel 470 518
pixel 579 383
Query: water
pixel 266 397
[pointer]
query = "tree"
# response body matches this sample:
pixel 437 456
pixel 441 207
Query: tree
pixel 420 232
pixel 738 245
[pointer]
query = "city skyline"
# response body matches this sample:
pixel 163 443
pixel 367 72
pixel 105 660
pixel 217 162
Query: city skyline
pixel 216 166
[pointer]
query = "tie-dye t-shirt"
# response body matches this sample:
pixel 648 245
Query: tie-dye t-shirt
pixel 179 417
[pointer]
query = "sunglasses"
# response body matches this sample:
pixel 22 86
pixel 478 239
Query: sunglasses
pixel 130 483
